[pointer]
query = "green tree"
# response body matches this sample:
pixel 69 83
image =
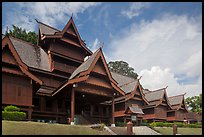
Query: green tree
pixel 20 33
pixel 123 68
pixel 195 103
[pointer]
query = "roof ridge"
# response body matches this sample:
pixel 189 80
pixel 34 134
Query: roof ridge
pixel 176 95
pixel 29 43
pixel 128 83
pixel 154 90
pixel 123 75
pixel 49 26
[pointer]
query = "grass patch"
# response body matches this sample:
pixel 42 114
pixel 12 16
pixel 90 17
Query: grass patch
pixel 36 128
pixel 182 131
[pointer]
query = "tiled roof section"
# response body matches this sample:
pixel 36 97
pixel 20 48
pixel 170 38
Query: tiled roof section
pixel 121 79
pixel 136 110
pixel 31 55
pixel 47 30
pixel 45 90
pixel 127 88
pixel 155 95
pixel 175 100
pixel 145 91
pixel 85 65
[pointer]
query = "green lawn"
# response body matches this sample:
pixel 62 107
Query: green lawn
pixel 36 128
pixel 182 131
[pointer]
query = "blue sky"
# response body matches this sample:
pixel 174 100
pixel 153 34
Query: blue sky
pixel 162 41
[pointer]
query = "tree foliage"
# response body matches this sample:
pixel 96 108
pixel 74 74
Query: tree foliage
pixel 123 68
pixel 20 33
pixel 195 103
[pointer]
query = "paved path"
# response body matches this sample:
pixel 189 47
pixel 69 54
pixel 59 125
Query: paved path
pixel 143 130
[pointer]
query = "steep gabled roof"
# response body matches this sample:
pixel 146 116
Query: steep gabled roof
pixel 85 65
pixel 46 29
pixel 121 79
pixel 32 55
pixel 177 101
pixel 155 95
pixel 9 41
pixel 83 71
pixel 129 87
pixel 134 110
pixel 50 32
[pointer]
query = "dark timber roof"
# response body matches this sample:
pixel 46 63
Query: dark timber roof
pixel 127 84
pixel 129 87
pixel 85 65
pixel 176 100
pixel 46 29
pixel 155 95
pixel 31 55
pixel 121 79
pixel 135 110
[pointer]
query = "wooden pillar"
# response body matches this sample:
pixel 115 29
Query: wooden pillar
pixel 113 110
pixel 72 106
pixel 30 110
pixel 91 110
pixel 42 104
pixel 54 106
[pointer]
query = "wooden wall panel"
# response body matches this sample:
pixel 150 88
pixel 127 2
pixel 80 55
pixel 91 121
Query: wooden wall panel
pixel 160 112
pixel 99 82
pixel 63 67
pixel 68 50
pixel 99 68
pixel 8 57
pixel 50 81
pixel 16 90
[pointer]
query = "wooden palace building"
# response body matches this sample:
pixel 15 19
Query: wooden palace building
pixel 60 79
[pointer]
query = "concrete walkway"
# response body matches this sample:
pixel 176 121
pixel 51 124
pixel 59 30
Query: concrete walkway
pixel 144 130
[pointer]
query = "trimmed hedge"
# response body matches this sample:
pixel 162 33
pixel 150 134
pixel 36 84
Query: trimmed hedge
pixel 120 124
pixel 15 116
pixel 179 124
pixel 12 113
pixel 144 124
pixel 11 108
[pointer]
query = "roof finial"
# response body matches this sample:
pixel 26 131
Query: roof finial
pixel 72 15
pixel 166 87
pixel 36 20
pixel 102 45
pixel 140 77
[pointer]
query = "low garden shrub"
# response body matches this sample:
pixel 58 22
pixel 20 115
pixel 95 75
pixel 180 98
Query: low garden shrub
pixel 11 108
pixel 12 113
pixel 120 124
pixel 179 124
pixel 153 124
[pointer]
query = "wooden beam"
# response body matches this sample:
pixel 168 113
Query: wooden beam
pixel 72 105
pixel 113 110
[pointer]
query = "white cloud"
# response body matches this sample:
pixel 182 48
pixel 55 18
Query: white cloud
pixel 157 78
pixel 171 41
pixel 135 9
pixel 52 13
pixel 95 45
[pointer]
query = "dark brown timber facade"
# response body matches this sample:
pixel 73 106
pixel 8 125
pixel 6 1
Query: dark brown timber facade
pixel 53 81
